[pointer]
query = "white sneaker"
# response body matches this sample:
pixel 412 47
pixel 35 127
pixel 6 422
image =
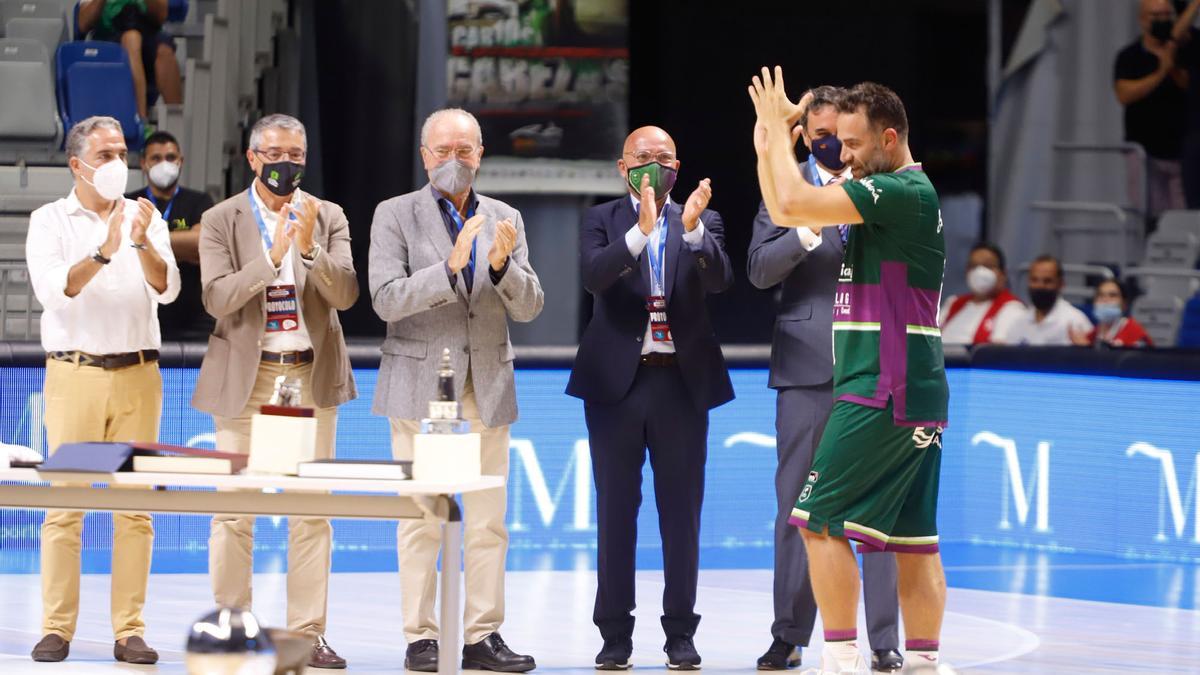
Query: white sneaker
pixel 829 666
pixel 929 669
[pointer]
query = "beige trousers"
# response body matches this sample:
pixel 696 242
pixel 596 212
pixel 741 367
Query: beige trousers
pixel 485 539
pixel 310 540
pixel 85 403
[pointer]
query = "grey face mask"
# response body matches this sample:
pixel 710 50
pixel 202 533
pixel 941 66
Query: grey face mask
pixel 452 177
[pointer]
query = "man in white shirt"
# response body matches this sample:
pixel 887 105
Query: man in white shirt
pixel 100 265
pixel 1050 320
pixel 275 266
pixel 972 318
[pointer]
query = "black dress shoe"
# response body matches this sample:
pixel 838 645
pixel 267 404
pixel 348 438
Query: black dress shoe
pixel 886 660
pixel 422 656
pixel 615 653
pixel 780 656
pixel 51 649
pixel 323 656
pixel 681 653
pixel 491 653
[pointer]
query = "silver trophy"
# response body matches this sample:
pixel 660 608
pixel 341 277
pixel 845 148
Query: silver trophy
pixel 445 413
pixel 287 392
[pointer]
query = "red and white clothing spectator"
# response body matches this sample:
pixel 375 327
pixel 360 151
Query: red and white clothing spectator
pixel 966 321
pixel 1124 332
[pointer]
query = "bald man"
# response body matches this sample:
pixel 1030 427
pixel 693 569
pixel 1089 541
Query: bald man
pixel 648 370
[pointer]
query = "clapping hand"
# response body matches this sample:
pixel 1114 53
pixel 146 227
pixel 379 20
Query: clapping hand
pixel 503 244
pixel 460 257
pixel 696 203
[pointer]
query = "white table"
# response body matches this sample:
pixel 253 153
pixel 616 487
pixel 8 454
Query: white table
pixel 288 496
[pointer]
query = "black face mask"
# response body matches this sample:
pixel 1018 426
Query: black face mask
pixel 1160 29
pixel 1043 298
pixel 282 178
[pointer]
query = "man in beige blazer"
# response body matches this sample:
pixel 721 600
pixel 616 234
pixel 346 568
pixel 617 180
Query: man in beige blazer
pixel 275 266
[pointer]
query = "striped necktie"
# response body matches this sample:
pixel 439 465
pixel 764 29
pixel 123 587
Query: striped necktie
pixel 843 230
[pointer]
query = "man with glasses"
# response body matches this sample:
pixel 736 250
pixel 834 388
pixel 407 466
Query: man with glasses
pixel 648 369
pixel 275 264
pixel 448 269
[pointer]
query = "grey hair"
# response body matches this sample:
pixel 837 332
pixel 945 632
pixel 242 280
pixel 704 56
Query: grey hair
pixel 445 112
pixel 276 121
pixel 823 95
pixel 77 138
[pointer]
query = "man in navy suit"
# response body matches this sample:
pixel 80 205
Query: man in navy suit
pixel 649 368
pixel 807 264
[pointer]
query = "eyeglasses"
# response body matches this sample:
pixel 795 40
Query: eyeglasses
pixel 645 157
pixel 275 154
pixel 462 151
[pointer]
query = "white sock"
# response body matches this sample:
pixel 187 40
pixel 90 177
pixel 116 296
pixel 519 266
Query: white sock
pixel 846 653
pixel 920 657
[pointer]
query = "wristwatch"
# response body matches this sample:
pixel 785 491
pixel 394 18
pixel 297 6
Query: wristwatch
pixel 311 254
pixel 99 257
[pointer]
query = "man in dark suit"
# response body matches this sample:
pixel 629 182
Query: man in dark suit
pixel 807 264
pixel 649 368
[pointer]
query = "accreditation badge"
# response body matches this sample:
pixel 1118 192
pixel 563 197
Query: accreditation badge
pixel 283 310
pixel 660 328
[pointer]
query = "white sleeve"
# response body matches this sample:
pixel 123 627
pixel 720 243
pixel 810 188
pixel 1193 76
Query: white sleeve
pixel 695 238
pixel 48 268
pixel 160 239
pixel 636 240
pixel 1006 327
pixel 808 239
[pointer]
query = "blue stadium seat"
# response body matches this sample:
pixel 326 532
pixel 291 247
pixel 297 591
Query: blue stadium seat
pixel 94 79
pixel 1189 328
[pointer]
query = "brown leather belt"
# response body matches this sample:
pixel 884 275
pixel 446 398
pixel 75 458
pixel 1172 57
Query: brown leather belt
pixel 106 361
pixel 658 359
pixel 288 358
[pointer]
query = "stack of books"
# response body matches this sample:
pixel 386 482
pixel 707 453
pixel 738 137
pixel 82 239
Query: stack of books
pixel 366 469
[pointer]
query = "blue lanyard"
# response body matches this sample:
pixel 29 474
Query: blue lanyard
pixel 459 224
pixel 262 224
pixel 656 262
pixel 170 205
pixel 815 175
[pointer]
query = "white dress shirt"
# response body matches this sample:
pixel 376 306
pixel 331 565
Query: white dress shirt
pixel 117 311
pixel 285 275
pixel 636 241
pixel 810 239
pixel 1052 330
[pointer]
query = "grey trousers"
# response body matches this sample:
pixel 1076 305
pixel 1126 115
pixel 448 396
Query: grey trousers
pixel 800 416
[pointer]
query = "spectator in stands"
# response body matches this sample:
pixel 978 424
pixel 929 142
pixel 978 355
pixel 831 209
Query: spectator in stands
pixel 1113 328
pixel 101 265
pixel 162 160
pixel 1051 319
pixel 1152 86
pixel 137 26
pixel 971 318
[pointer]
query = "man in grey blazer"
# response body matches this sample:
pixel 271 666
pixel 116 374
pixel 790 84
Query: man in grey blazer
pixel 808 264
pixel 448 269
pixel 275 268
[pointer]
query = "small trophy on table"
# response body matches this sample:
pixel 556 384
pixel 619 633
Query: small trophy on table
pixel 446 450
pixel 284 433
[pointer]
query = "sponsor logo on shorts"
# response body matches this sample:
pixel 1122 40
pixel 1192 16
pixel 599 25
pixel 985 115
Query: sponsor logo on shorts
pixel 813 476
pixel 924 438
pixel 806 492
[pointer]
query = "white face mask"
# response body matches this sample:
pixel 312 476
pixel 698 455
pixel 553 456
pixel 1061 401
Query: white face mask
pixel 981 280
pixel 164 174
pixel 109 180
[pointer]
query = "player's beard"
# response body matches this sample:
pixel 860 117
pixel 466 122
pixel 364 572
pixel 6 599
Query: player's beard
pixel 878 162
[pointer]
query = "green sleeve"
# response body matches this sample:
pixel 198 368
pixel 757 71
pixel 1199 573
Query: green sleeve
pixel 883 199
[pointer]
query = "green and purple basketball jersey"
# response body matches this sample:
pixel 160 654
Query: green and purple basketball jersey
pixel 886 340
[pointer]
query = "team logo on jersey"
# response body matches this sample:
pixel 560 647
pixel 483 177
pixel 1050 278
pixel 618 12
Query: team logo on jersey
pixel 806 493
pixel 813 476
pixel 939 221
pixel 870 185
pixel 924 439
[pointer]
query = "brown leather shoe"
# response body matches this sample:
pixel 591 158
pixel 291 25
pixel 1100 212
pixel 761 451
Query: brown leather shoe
pixel 323 656
pixel 51 649
pixel 135 650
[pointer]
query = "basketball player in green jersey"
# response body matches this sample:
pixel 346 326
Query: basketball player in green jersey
pixel 874 477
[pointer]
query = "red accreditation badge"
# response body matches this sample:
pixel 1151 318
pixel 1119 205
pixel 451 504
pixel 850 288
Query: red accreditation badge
pixel 283 312
pixel 660 328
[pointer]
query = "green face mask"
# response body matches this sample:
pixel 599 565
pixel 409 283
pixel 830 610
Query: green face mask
pixel 662 178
